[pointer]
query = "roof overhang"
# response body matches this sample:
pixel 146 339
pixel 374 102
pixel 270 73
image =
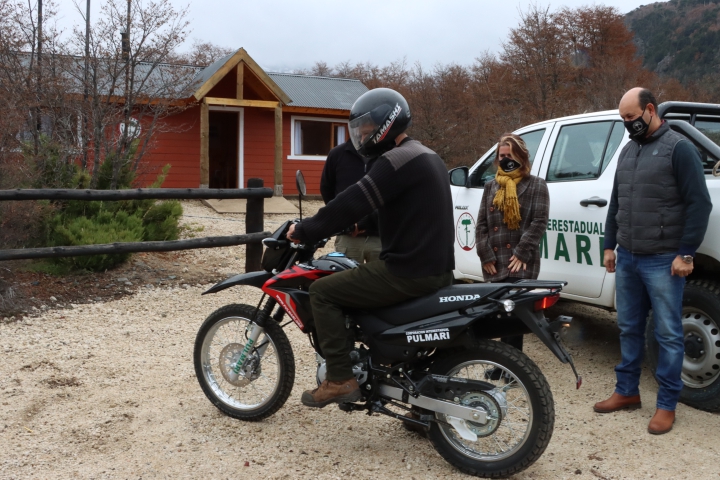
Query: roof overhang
pixel 219 69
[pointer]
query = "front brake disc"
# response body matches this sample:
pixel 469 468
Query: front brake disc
pixel 228 358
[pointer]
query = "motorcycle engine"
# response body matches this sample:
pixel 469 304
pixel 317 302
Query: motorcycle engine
pixel 359 358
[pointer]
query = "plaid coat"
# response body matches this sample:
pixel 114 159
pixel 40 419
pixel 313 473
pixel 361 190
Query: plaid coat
pixel 495 242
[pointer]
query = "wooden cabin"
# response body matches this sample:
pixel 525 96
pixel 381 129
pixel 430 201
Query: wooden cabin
pixel 242 122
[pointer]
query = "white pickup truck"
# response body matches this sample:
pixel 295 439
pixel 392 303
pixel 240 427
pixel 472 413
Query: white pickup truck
pixel 577 156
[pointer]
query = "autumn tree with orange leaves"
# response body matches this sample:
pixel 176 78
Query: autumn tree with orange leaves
pixel 554 63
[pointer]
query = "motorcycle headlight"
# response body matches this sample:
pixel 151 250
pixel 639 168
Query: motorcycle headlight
pixel 508 305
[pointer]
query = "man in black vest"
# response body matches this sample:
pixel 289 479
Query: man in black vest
pixel 343 168
pixel 657 218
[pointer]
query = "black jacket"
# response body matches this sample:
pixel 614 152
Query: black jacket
pixel 410 188
pixel 343 168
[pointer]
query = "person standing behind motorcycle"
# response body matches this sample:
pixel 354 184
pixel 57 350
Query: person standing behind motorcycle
pixel 410 188
pixel 512 219
pixel 344 167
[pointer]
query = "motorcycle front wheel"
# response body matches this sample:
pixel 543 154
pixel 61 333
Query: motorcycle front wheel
pixel 266 379
pixel 520 412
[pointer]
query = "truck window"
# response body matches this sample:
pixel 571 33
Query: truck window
pixel 486 172
pixel 710 127
pixel 616 136
pixel 582 151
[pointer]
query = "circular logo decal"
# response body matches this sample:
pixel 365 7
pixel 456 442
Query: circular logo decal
pixel 465 231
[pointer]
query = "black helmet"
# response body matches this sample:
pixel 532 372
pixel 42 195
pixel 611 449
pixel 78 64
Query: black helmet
pixel 376 119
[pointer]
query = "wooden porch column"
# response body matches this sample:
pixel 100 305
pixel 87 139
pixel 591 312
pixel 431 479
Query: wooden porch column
pixel 240 81
pixel 278 152
pixel 204 145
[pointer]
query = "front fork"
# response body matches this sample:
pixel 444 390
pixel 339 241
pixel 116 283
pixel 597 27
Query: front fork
pixel 253 332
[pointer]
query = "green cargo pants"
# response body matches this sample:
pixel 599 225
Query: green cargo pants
pixel 361 249
pixel 369 286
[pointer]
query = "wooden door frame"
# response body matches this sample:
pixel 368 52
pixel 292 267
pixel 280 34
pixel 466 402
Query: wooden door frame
pixel 241 138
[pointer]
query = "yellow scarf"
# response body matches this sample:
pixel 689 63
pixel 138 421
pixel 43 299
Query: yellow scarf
pixel 506 199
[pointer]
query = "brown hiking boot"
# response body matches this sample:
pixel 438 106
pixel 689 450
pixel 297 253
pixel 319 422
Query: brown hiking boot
pixel 618 402
pixel 662 421
pixel 332 392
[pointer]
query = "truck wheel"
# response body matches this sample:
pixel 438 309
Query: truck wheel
pixel 701 366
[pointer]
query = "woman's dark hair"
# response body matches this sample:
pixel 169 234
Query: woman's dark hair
pixel 518 150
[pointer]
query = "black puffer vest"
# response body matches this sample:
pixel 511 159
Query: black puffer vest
pixel 651 212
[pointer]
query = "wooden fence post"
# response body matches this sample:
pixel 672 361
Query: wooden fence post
pixel 254 222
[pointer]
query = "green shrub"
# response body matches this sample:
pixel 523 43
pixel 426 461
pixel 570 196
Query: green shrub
pixel 105 227
pixel 52 166
pixel 91 223
pixel 161 221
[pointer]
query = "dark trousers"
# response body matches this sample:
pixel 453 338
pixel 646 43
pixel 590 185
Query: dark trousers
pixel 371 285
pixel 512 340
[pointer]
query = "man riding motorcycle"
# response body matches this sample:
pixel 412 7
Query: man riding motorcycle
pixel 409 187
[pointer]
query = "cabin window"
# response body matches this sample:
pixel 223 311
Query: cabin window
pixel 311 138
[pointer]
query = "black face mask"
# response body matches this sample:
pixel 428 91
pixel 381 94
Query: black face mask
pixel 637 128
pixel 508 165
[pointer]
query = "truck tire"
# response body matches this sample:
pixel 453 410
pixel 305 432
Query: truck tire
pixel 701 329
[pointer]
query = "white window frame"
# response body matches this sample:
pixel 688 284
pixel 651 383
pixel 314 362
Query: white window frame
pixel 321 158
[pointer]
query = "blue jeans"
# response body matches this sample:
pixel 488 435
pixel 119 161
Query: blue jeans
pixel 642 282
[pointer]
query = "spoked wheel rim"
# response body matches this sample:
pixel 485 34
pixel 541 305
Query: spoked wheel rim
pixel 254 387
pixel 508 407
pixel 701 365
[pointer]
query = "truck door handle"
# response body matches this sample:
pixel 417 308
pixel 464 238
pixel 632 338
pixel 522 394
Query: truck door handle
pixel 600 202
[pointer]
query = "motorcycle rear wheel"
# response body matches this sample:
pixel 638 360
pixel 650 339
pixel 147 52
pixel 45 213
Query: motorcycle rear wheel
pixel 257 393
pixel 521 413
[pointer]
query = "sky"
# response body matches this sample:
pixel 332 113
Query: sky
pixel 285 35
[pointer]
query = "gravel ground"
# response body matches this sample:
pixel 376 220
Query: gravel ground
pixel 108 390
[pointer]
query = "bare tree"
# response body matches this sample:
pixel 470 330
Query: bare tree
pixel 124 120
pixel 201 54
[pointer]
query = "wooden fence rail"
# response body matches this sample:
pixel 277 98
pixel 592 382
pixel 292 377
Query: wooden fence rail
pixel 254 221
pixel 132 247
pixel 135 194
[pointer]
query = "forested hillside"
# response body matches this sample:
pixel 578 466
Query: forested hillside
pixel 679 38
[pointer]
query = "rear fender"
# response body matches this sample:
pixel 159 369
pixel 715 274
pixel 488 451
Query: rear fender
pixel 539 325
pixel 253 279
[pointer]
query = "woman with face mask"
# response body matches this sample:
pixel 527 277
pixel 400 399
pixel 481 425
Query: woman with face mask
pixel 512 219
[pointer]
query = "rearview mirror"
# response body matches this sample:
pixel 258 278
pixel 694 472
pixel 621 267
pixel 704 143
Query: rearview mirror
pixel 459 176
pixel 300 183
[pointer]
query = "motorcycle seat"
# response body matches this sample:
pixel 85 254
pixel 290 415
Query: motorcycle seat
pixel 445 300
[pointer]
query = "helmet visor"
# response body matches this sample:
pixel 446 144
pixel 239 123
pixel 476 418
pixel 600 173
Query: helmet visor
pixel 362 130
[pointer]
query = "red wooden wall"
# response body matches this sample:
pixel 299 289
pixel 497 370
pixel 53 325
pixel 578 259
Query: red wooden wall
pixel 180 147
pixel 178 144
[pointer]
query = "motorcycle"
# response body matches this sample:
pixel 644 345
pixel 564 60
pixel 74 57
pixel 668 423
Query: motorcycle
pixel 485 406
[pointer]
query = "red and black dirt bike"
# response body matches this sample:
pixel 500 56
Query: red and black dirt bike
pixel 486 406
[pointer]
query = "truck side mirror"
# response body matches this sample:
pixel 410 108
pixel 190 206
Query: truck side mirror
pixel 459 176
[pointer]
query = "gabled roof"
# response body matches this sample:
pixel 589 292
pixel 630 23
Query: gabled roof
pixel 173 81
pixel 212 74
pixel 319 92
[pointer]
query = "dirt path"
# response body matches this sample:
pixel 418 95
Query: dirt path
pixel 107 390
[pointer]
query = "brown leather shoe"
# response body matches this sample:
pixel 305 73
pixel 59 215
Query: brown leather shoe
pixel 618 402
pixel 332 392
pixel 661 422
